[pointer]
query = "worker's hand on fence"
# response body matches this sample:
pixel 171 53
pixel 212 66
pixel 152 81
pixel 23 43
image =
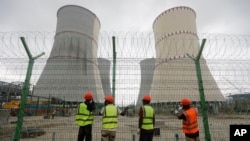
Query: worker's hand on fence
pixel 138 131
pixel 180 109
pixel 176 112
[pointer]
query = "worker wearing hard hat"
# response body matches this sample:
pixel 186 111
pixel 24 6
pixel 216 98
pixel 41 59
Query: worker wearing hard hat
pixel 146 120
pixel 188 115
pixel 110 114
pixel 84 117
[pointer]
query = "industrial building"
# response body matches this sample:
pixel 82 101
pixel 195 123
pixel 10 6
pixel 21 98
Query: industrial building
pixel 147 72
pixel 9 91
pixel 104 69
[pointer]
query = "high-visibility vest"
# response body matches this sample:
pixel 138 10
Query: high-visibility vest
pixel 83 115
pixel 148 114
pixel 110 117
pixel 190 125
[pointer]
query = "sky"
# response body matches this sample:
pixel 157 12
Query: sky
pixel 213 16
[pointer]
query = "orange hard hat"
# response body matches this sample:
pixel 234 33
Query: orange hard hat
pixel 88 96
pixel 146 97
pixel 185 101
pixel 109 98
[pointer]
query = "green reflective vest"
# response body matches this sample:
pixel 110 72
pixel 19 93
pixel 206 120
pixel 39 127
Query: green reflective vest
pixel 83 115
pixel 110 117
pixel 148 114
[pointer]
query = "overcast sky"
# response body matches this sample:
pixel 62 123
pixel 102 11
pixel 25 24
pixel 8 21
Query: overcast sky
pixel 213 16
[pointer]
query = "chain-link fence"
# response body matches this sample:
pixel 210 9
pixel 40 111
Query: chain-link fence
pixel 168 72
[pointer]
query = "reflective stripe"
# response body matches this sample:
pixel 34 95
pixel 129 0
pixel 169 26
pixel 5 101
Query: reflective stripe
pixel 190 125
pixel 83 116
pixel 148 114
pixel 110 117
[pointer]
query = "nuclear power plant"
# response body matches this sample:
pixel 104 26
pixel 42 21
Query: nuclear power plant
pixel 72 67
pixel 175 75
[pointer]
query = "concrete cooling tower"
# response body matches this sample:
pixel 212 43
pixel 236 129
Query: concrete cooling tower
pixel 147 72
pixel 175 73
pixel 72 67
pixel 104 68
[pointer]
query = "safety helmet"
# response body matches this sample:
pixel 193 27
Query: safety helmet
pixel 146 98
pixel 88 96
pixel 109 98
pixel 185 101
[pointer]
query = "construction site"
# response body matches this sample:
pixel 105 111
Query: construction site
pixel 45 75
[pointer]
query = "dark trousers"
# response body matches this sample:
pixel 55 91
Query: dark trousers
pixel 146 136
pixel 85 132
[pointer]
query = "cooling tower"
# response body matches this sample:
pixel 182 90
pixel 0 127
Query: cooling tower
pixel 175 73
pixel 147 72
pixel 104 68
pixel 72 67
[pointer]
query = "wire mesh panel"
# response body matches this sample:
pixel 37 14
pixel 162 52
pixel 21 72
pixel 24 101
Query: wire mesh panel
pixel 50 108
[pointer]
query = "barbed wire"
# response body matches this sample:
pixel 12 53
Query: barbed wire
pixel 128 45
pixel 227 56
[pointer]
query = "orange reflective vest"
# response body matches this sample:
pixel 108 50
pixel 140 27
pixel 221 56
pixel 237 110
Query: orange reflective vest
pixel 190 125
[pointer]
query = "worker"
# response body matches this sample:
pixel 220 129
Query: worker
pixel 188 115
pixel 146 120
pixel 84 117
pixel 110 114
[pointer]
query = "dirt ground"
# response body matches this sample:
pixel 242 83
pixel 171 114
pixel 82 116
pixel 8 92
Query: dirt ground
pixel 64 129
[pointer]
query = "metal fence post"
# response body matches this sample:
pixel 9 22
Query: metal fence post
pixel 25 90
pixel 201 91
pixel 114 67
